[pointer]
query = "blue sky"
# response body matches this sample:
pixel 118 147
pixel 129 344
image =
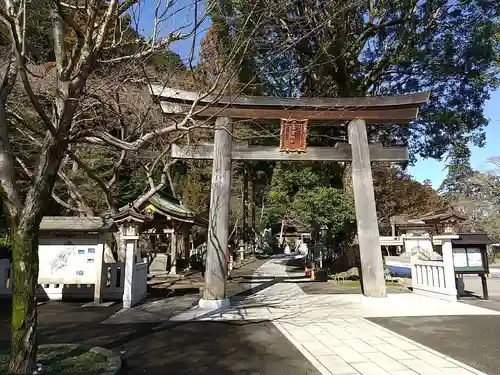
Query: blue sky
pixel 435 170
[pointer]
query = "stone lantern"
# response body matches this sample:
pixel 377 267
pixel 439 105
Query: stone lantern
pixel 129 223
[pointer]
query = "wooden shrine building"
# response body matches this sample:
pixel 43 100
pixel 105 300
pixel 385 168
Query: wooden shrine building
pixel 170 218
pixel 294 114
pixel 437 222
pixel 171 212
pixel 168 223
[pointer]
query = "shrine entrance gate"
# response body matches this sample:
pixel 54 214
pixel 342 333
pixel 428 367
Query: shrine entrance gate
pixel 294 115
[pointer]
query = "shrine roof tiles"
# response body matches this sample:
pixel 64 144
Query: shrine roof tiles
pixel 441 215
pixel 171 206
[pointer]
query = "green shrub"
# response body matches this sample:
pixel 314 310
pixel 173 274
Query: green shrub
pixel 5 247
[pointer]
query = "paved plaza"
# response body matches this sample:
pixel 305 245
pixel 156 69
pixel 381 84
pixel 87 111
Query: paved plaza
pixel 338 334
pixel 274 327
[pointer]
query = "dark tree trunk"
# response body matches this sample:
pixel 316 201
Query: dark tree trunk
pixel 23 344
pixel 25 230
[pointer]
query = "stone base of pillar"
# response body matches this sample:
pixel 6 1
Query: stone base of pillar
pixel 214 304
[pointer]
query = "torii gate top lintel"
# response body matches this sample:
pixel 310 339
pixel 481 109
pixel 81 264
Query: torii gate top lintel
pixel 372 109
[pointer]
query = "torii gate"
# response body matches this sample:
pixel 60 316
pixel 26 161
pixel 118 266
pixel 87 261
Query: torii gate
pixel 294 114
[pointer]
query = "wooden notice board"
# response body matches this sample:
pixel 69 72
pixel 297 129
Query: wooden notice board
pixel 470 259
pixel 293 137
pixel 470 253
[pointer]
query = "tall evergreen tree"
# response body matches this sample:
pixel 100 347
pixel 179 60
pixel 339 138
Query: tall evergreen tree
pixel 385 47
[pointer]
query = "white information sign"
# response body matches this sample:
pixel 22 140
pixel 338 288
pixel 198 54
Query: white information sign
pixel 69 261
pixel 459 258
pixel 474 257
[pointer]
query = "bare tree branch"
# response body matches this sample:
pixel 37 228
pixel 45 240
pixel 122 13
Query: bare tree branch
pixel 98 180
pixel 11 199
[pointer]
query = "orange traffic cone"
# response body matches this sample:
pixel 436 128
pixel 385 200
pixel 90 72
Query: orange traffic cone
pixel 313 275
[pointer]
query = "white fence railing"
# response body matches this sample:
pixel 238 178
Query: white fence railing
pixel 114 277
pixel 433 278
pixel 139 282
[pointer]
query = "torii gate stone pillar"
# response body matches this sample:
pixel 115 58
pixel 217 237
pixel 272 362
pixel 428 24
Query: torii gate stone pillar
pixel 214 296
pixel 372 267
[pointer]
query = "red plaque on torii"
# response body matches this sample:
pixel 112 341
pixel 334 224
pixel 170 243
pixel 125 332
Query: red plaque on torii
pixel 293 137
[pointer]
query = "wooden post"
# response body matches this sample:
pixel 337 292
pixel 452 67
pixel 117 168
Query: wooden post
pixel 484 283
pixel 173 253
pixel 186 230
pixel 254 226
pixel 245 206
pixel 214 295
pixel 372 268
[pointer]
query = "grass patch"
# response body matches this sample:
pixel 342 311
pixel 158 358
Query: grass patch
pixel 65 360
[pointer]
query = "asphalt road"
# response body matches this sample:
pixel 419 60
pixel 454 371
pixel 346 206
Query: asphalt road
pixel 474 292
pixel 223 348
pixel 243 348
pixel 473 340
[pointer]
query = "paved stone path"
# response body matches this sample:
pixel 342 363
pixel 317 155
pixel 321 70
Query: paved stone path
pixel 332 331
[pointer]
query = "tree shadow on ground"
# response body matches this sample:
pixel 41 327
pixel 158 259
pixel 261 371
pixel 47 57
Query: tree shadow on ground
pixel 189 348
pixel 181 348
pixel 265 282
pixel 162 293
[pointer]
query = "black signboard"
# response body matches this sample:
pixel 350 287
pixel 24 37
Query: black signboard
pixel 470 257
pixel 470 253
